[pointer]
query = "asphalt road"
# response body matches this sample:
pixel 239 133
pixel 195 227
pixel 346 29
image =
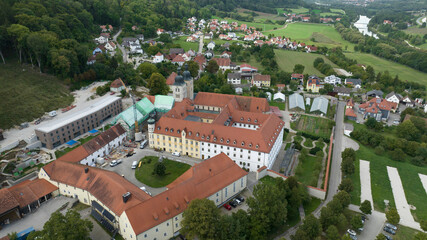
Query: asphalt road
pixel 373 224
pixel 335 170
pixel 125 57
pixel 125 168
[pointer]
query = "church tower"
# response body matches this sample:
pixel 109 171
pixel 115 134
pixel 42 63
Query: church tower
pixel 180 90
pixel 188 82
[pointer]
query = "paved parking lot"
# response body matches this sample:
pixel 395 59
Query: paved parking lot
pixel 37 218
pixel 125 168
pixel 244 206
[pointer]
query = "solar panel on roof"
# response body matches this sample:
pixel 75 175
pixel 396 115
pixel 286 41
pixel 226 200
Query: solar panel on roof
pixel 108 215
pixel 97 206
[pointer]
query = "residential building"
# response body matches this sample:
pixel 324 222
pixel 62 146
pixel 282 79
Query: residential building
pixel 179 60
pixel 176 51
pixel 313 84
pixel 394 97
pixel 319 105
pixel 408 101
pixel 158 58
pixel 296 101
pixel 63 130
pixel 223 63
pixel 261 80
pixel 355 83
pixel 211 45
pixel 298 77
pixel 342 91
pixel 117 86
pixel 377 108
pixel 234 78
pixel 110 46
pixel 215 123
pixel 281 87
pixel 332 79
pixel 375 94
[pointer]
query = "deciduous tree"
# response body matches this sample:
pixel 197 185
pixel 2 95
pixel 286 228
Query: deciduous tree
pixel 392 216
pixel 366 207
pixel 332 233
pixel 200 219
pixel 157 84
pixel 346 185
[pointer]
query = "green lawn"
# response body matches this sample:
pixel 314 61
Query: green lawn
pixel 254 63
pixel 328 14
pixel 310 207
pixel 287 59
pixel 187 45
pixel 325 35
pixel 320 144
pixel 308 143
pixel 313 125
pixel 423 46
pixel 308 170
pixel 61 153
pixel 28 94
pixel 337 10
pixel 299 10
pixel 281 105
pixel 380 64
pixel 262 17
pixel 405 233
pixel 173 171
pixel 381 188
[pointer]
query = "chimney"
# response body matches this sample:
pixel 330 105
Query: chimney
pixel 86 170
pixel 126 197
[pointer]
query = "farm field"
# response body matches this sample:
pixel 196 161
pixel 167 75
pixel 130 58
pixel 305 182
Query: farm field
pixel 187 45
pixel 381 188
pixel 297 10
pixel 28 94
pixel 324 35
pixel 173 171
pixel 379 64
pixel 415 30
pixel 261 16
pixel 287 59
pixel 313 125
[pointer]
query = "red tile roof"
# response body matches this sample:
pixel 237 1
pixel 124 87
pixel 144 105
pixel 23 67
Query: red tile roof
pixel 171 78
pixel 260 77
pixel 200 181
pixel 108 187
pixel 350 112
pixel 250 104
pixel 178 58
pixel 7 201
pixel 350 102
pixel 116 83
pixel 30 191
pixel 297 75
pixel 222 62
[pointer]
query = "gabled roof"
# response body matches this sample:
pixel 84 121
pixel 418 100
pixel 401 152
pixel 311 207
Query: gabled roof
pixel 296 100
pixel 116 83
pixel 171 79
pixel 7 200
pixel 350 112
pixel 108 187
pixel 222 62
pixel 200 181
pixel 251 104
pixel 260 77
pixel 30 191
pixel 178 58
pixel 319 104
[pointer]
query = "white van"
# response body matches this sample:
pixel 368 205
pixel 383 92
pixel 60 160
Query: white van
pixel 176 154
pixel 143 144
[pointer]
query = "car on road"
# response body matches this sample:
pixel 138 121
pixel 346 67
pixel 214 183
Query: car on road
pixel 227 206
pixel 389 230
pixel 233 203
pixel 389 225
pixel 240 198
pixel 134 164
pixel 115 162
pixel 238 201
pixel 176 154
pixel 351 232
pixel 353 237
pixel 143 144
pixel 363 218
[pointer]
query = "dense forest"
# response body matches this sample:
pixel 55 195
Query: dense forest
pixel 56 35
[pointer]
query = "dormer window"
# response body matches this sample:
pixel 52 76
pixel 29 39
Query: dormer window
pixel 241 119
pixel 166 129
pixel 171 130
pixel 234 142
pixel 222 140
pixel 158 128
pixel 249 119
pixel 215 139
pixel 256 120
pixel 250 144
pixel 243 143
pixel 228 140
pixel 197 134
pixel 207 138
pixel 189 133
pixel 257 146
pixel 203 137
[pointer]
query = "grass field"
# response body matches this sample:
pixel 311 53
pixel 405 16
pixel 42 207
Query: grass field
pixel 405 233
pixel 334 14
pixel 308 143
pixel 380 64
pixel 28 94
pixel 381 188
pixel 337 10
pixel 187 45
pixel 310 207
pixel 262 17
pixel 281 105
pixel 287 59
pixel 299 10
pixel 308 170
pixel 313 125
pixel 173 171
pixel 325 35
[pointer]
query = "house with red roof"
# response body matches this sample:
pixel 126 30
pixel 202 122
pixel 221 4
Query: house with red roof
pixel 178 60
pixel 377 108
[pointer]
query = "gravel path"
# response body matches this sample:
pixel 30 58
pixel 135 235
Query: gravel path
pixel 423 180
pixel 402 205
pixel 365 182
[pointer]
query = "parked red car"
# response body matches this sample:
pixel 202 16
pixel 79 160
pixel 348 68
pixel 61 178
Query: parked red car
pixel 228 207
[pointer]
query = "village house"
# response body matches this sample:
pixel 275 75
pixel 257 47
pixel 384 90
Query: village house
pixel 356 83
pixel 377 108
pixel 261 80
pixel 158 58
pixel 234 78
pixel 313 84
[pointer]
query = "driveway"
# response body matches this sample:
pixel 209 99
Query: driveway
pixel 373 224
pixel 125 168
pixel 38 218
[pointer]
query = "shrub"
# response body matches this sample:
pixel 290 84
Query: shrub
pixel 314 150
pixel 379 150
